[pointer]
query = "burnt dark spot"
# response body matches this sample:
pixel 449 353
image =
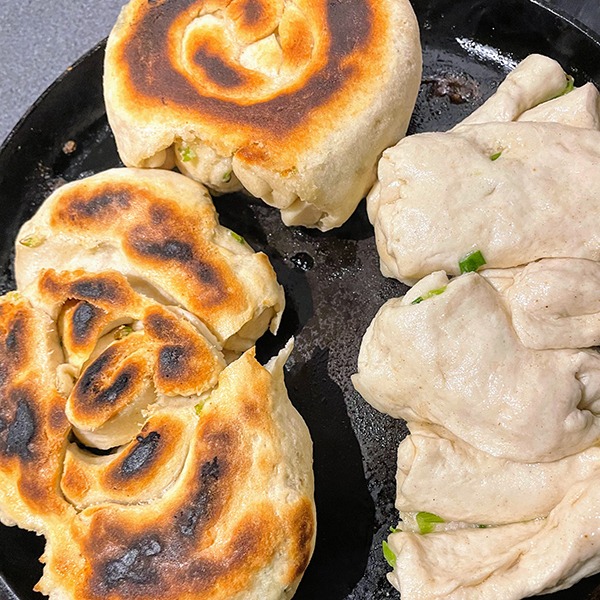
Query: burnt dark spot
pixel 171 361
pixel 211 470
pixel 457 88
pixel 179 251
pixel 159 214
pixel 167 250
pixel 91 390
pixel 158 326
pixel 217 70
pixel 21 431
pixel 253 12
pixel 101 204
pixel 136 565
pixel 202 505
pixel 3 424
pixel 118 388
pixel 89 379
pixel 350 23
pixel 83 320
pixel 142 454
pixel 14 336
pixel 94 289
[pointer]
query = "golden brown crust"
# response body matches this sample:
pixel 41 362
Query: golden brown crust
pixel 264 94
pixel 171 473
pixel 159 227
pixel 355 31
pixel 33 427
pixel 230 516
pixel 157 235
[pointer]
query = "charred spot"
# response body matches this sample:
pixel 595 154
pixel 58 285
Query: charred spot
pixel 91 388
pixel 253 12
pixel 158 325
pixel 211 470
pixel 119 387
pixel 350 23
pixel 172 362
pixel 159 214
pixel 83 320
pixel 217 70
pixel 137 565
pixel 100 205
pixel 202 505
pixel 88 381
pixel 21 430
pixel 351 27
pixel 180 252
pixel 141 456
pixel 95 289
pixel 14 336
pixel 165 250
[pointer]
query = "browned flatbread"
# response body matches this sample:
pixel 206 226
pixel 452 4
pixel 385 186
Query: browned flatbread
pixel 159 229
pixel 238 522
pixel 153 467
pixel 33 426
pixel 294 101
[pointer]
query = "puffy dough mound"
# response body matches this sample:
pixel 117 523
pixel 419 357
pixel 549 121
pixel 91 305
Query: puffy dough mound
pixel 161 230
pixel 455 360
pixel 153 467
pixel 507 181
pixel 293 101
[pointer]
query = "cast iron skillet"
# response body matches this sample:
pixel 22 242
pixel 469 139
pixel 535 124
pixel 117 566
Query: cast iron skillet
pixel 332 280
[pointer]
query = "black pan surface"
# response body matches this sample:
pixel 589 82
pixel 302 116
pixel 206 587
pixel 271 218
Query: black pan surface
pixel 332 280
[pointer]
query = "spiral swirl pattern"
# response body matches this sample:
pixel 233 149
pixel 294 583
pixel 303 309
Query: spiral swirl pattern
pixel 259 92
pixel 155 464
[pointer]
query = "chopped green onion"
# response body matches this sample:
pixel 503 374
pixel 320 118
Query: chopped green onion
pixel 426 521
pixel 226 177
pixel 482 526
pixel 570 85
pixel 496 156
pixel 237 237
pixel 388 554
pixel 122 332
pixel 395 530
pixel 198 408
pixel 429 294
pixel 12 296
pixel 471 262
pixel 32 241
pixel 187 153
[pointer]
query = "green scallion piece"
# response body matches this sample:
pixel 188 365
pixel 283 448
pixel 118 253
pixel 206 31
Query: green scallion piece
pixel 186 153
pixel 471 262
pixel 227 176
pixel 122 332
pixel 32 241
pixel 395 530
pixel 426 521
pixel 496 156
pixel 237 237
pixel 198 408
pixel 570 85
pixel 388 554
pixel 429 294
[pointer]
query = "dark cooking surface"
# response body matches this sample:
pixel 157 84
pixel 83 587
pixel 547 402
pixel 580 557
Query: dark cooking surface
pixel 332 280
